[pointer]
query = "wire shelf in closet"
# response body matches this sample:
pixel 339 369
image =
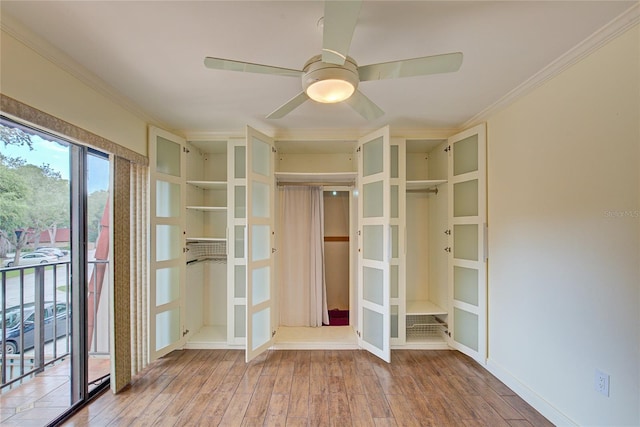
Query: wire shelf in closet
pixel 423 326
pixel 213 250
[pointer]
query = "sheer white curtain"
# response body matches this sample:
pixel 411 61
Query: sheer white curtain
pixel 302 290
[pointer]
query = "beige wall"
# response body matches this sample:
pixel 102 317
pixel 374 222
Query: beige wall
pixel 32 79
pixel 316 163
pixel 564 238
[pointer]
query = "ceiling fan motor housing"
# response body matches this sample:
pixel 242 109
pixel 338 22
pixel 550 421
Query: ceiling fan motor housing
pixel 317 71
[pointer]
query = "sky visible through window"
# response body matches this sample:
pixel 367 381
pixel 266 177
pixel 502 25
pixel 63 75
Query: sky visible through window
pixel 57 157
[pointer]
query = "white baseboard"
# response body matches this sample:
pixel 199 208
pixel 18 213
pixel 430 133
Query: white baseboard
pixel 313 346
pixel 421 346
pixel 531 397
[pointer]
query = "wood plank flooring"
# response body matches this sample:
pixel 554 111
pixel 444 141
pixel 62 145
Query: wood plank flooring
pixel 312 388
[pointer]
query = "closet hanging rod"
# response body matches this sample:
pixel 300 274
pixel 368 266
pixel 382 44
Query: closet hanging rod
pixel 424 190
pixel 315 184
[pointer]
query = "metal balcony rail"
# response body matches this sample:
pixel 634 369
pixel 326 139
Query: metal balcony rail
pixel 35 320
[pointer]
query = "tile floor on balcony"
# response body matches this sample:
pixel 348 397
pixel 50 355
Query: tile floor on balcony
pixel 43 398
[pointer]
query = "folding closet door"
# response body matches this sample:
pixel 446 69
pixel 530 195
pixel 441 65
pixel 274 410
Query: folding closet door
pixel 236 242
pixel 260 229
pixel 167 272
pixel 467 257
pixel 374 243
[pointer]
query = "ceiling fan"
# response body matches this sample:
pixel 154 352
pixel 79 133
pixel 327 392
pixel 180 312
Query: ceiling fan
pixel 333 76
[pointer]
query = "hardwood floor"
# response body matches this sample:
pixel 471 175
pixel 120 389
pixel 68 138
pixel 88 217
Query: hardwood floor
pixel 312 388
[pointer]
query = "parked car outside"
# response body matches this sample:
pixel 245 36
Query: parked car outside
pixel 14 326
pixel 50 251
pixel 32 258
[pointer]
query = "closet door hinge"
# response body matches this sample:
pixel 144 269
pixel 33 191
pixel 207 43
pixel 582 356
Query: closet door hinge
pixel 273 150
pixel 447 232
pixel 185 332
pixel 447 249
pixel 185 150
pixel 447 148
pixel 273 334
pixel 358 150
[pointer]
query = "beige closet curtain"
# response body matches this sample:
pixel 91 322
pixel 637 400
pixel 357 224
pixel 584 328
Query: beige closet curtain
pixel 302 291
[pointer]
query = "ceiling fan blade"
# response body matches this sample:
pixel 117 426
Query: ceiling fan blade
pixel 426 65
pixel 340 19
pixel 248 67
pixel 364 106
pixel 288 106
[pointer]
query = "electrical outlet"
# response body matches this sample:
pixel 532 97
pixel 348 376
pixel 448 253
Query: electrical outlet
pixel 602 383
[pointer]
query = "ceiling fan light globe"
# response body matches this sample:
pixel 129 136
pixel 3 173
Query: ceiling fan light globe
pixel 330 91
pixel 329 83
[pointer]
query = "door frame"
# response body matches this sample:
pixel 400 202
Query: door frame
pixel 353 288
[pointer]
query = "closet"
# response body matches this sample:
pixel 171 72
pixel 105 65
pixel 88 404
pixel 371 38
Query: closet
pixel 419 317
pixel 332 165
pixel 206 236
pixel 417 239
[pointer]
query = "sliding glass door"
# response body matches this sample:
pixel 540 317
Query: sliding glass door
pixel 54 255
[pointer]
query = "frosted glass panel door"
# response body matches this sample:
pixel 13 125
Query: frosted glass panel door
pixel 374 243
pixel 259 254
pixel 167 263
pixel 236 241
pixel 467 259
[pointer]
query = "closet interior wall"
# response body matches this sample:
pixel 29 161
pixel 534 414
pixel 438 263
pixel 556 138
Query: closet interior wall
pixel 206 234
pixel 426 261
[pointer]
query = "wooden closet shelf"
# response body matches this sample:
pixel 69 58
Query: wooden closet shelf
pixel 336 238
pixel 424 307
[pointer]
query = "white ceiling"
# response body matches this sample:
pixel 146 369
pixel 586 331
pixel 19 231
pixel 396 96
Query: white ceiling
pixel 150 55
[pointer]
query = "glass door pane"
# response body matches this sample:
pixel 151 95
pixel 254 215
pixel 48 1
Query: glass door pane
pixel 376 244
pixel 98 322
pixel 467 222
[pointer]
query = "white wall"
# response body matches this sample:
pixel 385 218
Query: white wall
pixel 37 82
pixel 564 239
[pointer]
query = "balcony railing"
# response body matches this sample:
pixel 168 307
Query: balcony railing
pixel 36 317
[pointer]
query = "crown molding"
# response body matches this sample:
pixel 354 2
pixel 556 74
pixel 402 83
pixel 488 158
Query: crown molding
pixel 56 56
pixel 604 35
pixel 331 134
